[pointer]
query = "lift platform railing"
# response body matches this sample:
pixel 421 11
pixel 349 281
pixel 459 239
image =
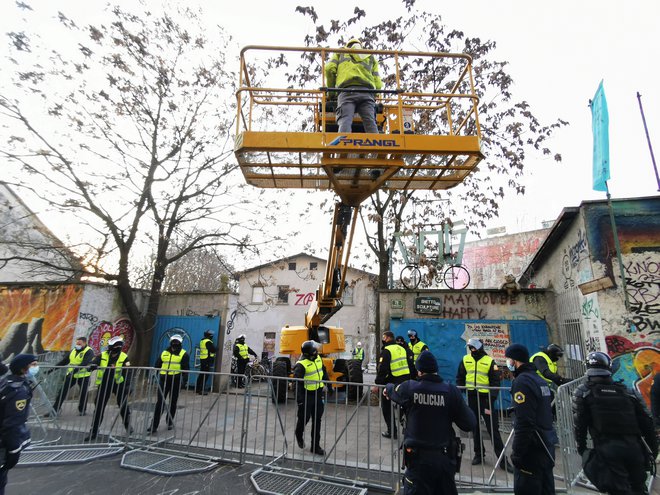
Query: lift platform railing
pixel 286 137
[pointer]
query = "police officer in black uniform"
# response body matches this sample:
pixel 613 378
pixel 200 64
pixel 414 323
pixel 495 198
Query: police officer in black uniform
pixel 207 352
pixel 430 446
pixel 15 397
pixel 617 422
pixel 534 437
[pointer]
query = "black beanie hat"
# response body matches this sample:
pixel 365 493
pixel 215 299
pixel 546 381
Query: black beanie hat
pixel 426 363
pixel 517 352
pixel 20 362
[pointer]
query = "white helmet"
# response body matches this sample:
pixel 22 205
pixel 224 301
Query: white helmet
pixel 241 336
pixel 176 337
pixel 359 344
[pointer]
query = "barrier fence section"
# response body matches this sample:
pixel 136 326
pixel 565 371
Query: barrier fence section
pixel 238 420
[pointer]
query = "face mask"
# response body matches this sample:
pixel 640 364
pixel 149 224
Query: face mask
pixel 115 351
pixel 78 348
pixel 176 347
pixel 33 370
pixel 384 342
pixel 510 365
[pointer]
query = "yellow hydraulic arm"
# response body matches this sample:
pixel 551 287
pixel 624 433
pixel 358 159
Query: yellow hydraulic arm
pixel 329 294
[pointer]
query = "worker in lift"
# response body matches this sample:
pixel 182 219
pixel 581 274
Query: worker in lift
pixel 356 73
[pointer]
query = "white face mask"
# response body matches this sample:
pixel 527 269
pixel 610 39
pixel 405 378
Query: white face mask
pixel 33 370
pixel 510 365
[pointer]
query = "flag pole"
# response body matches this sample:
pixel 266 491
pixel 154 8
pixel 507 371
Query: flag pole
pixel 617 248
pixel 648 140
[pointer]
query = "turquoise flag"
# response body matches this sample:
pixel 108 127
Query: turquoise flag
pixel 600 122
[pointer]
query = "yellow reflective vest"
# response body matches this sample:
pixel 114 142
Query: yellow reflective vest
pixel 171 362
pixel 243 351
pixel 358 353
pixel 398 360
pixel 552 366
pixel 105 358
pixel 76 359
pixel 477 373
pixel 352 69
pixel 313 373
pixel 203 351
pixel 417 349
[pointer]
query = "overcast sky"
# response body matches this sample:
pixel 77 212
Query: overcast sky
pixel 558 52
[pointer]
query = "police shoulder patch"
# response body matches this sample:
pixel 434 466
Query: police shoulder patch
pixel 20 404
pixel 519 397
pixel 380 360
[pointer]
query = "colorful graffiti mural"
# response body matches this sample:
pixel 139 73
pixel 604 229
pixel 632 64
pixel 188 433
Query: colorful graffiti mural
pixel 105 330
pixel 634 363
pixel 38 319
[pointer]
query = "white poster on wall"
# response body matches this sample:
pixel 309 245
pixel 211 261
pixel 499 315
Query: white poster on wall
pixel 495 337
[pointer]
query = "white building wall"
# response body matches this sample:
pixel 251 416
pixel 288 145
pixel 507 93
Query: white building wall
pixel 261 321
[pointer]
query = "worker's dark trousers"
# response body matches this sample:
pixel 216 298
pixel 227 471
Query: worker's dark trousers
pixel 167 384
pixel 478 403
pixel 362 103
pixel 107 388
pixel 387 407
pixel 70 381
pixel 311 407
pixel 204 365
pixel 241 364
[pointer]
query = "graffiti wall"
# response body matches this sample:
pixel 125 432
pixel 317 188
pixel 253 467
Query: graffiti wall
pixel 34 320
pixel 49 318
pixel 490 260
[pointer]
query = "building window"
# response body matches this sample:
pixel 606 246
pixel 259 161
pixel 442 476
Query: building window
pixel 257 294
pixel 292 266
pixel 313 265
pixel 282 294
pixel 347 296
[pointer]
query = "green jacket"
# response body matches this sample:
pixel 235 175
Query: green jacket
pixel 352 69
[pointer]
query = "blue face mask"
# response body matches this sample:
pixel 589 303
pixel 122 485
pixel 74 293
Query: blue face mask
pixel 33 370
pixel 510 365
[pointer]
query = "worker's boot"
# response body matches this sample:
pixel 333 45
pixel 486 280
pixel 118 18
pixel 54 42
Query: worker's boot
pixel 317 450
pixel 477 459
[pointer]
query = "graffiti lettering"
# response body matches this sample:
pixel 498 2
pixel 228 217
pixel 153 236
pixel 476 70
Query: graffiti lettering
pixel 186 312
pixel 577 249
pixel 93 319
pixel 463 313
pixel 304 299
pixel 588 309
pixel 497 298
pixel 643 288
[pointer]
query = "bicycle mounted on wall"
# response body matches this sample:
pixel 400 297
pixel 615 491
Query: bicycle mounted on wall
pixel 421 268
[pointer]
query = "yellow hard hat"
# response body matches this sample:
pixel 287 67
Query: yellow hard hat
pixel 353 41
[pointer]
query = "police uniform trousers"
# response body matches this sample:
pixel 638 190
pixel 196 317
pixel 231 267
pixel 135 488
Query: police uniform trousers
pixel 167 385
pixel 535 478
pixel 478 403
pixel 312 408
pixel 70 381
pixel 619 466
pixel 204 365
pixel 429 472
pixel 362 103
pixel 107 388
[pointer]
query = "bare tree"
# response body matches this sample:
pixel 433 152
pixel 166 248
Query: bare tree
pixel 123 126
pixel 510 131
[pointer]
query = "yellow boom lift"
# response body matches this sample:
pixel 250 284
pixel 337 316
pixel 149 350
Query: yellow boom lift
pixel 301 149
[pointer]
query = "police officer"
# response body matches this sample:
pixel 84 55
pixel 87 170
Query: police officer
pixel 79 359
pixel 430 447
pixel 242 354
pixel 309 395
pixel 534 437
pixel 416 345
pixel 546 364
pixel 476 372
pixel 112 377
pixel 617 421
pixel 207 352
pixel 393 367
pixel 15 397
pixel 172 362
pixel 409 353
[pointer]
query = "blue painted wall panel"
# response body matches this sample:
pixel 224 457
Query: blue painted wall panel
pixel 192 329
pixel 444 339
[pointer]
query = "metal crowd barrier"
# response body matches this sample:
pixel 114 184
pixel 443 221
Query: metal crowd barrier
pixel 253 425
